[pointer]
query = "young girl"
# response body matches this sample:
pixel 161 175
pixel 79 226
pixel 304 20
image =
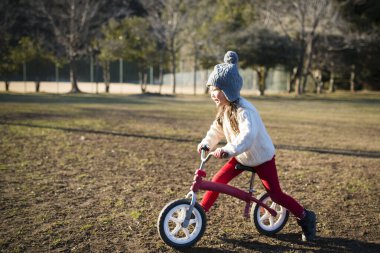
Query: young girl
pixel 248 142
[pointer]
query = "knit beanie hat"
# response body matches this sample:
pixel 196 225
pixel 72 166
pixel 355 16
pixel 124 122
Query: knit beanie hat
pixel 226 77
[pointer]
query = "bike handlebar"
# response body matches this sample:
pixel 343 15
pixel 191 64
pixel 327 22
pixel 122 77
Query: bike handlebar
pixel 205 158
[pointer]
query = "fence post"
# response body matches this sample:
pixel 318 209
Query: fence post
pixel 57 76
pixel 91 69
pixel 121 70
pixel 151 75
pixel 24 75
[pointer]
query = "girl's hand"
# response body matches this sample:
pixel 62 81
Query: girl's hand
pixel 220 153
pixel 200 146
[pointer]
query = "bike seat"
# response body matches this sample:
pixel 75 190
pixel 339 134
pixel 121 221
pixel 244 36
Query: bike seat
pixel 242 167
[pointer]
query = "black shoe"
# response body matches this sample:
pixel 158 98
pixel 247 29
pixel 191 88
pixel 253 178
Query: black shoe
pixel 308 225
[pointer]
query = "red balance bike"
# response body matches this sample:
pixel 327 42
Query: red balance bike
pixel 182 222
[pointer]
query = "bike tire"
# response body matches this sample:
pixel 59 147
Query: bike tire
pixel 264 222
pixel 170 220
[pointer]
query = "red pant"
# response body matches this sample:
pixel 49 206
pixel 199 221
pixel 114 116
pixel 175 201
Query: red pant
pixel 268 175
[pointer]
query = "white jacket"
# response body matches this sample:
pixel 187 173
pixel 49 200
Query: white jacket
pixel 252 146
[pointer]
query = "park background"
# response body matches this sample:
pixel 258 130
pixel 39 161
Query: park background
pixel 99 122
pixel 284 46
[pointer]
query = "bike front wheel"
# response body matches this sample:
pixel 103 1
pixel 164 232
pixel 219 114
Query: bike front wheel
pixel 170 224
pixel 264 222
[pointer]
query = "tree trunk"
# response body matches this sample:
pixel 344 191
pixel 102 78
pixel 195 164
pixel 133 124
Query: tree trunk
pixel 262 73
pixel 174 81
pixel 298 80
pixel 7 84
pixel 317 77
pixel 297 86
pixel 106 75
pixel 289 82
pixel 307 64
pixel 206 86
pixel 331 82
pixel 319 87
pixel 195 72
pixel 73 77
pixel 161 77
pixel 37 82
pixel 352 79
pixel 143 81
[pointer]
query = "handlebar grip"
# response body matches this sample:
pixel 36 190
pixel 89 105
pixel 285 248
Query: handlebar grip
pixel 205 148
pixel 224 155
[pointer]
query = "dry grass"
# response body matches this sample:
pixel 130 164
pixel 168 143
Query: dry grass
pixel 84 173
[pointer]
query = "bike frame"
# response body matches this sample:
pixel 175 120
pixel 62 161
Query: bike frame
pixel 200 184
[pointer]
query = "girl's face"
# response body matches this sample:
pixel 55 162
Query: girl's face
pixel 218 96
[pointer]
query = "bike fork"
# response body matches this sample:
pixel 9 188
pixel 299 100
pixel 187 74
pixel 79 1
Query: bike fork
pixel 193 195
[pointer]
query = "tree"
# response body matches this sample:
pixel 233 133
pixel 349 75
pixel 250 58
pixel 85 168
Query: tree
pixel 349 51
pixel 168 19
pixel 8 16
pixel 140 46
pixel 361 29
pixel 25 51
pixel 196 33
pixel 301 21
pixel 74 24
pixel 328 61
pixel 130 39
pixel 218 33
pixel 230 21
pixel 263 49
pixel 235 27
pixel 7 64
pixel 110 48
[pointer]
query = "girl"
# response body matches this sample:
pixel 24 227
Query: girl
pixel 248 142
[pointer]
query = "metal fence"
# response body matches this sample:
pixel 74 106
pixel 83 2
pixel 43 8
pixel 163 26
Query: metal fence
pixel 88 70
pixel 276 81
pixel 124 79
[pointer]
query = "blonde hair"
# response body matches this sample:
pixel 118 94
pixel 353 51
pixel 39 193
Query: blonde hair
pixel 231 111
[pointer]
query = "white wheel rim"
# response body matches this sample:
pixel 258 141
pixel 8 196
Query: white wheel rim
pixel 266 220
pixel 173 225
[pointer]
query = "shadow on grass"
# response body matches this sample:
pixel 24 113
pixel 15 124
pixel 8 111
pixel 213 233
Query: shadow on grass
pixel 205 250
pixel 360 98
pixel 370 98
pixel 78 98
pixel 321 244
pixel 359 153
pixel 90 131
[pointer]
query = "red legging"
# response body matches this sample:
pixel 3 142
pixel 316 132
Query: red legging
pixel 268 175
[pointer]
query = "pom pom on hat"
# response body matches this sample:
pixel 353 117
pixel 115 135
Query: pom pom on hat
pixel 231 57
pixel 226 77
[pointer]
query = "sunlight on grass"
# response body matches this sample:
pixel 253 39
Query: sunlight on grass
pixel 82 172
pixel 135 214
pixel 86 227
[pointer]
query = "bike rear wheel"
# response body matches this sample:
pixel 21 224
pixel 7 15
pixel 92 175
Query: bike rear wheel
pixel 170 224
pixel 264 222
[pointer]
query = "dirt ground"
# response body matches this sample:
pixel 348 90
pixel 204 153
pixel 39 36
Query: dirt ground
pixel 92 173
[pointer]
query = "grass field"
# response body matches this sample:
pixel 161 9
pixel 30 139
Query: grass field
pixel 90 173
